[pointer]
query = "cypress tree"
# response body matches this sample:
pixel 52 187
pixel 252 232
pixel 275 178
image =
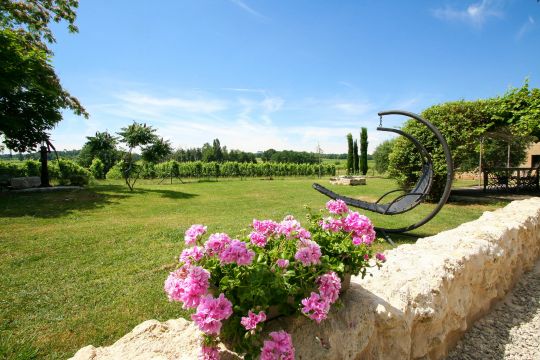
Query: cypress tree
pixel 350 163
pixel 363 151
pixel 355 157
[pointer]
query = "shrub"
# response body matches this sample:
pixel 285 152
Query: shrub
pixel 97 169
pixel 381 154
pixel 11 168
pixel 115 173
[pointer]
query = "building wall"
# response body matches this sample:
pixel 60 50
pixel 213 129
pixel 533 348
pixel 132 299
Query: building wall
pixel 534 149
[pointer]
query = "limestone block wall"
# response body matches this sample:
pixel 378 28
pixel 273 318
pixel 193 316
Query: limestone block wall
pixel 415 307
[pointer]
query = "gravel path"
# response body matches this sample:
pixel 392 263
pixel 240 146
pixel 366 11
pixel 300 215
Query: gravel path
pixel 511 330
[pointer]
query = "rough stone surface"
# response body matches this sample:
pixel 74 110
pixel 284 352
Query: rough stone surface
pixel 416 307
pixel 25 182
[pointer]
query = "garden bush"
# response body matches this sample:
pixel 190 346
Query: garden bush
pixel 97 169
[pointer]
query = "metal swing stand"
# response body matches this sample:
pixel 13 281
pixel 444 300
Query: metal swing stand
pixel 417 194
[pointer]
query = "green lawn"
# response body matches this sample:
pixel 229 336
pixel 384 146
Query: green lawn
pixel 84 267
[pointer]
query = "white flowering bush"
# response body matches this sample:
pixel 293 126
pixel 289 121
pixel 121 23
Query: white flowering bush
pixel 280 268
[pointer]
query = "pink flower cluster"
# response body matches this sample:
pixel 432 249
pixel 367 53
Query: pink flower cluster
pixel 210 312
pixel 308 252
pixel 337 207
pixel 194 233
pixel 250 322
pixel 329 286
pixel 208 353
pixel 264 229
pixel 191 255
pixel 282 263
pixel 380 257
pixel 280 347
pixel 216 243
pixel 187 284
pixel 359 226
pixel 229 251
pixel 317 306
pixel 236 252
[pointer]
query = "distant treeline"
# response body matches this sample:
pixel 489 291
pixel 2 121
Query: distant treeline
pixel 207 153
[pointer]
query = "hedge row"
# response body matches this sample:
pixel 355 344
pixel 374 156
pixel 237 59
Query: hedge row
pixel 199 169
pixel 66 173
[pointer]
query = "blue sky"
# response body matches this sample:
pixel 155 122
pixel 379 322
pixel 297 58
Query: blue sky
pixel 285 74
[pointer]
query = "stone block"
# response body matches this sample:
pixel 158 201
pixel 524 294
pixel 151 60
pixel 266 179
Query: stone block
pixel 25 182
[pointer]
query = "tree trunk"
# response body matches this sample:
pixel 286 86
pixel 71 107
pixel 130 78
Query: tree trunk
pixel 44 167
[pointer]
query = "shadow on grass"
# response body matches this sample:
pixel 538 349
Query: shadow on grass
pixel 61 203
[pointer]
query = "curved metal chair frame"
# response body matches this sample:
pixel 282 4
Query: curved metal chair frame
pixel 413 198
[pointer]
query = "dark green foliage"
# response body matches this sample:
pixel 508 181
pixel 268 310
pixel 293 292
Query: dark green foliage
pixel 31 96
pixel 158 151
pixel 356 160
pixel 218 154
pixel 295 157
pixel 363 151
pixel 101 146
pixel 381 154
pixel 350 156
pixel 463 124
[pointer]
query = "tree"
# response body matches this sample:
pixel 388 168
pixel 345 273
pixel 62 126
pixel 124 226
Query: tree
pixel 207 152
pixel 355 157
pixel 35 16
pixel 350 159
pixel 363 151
pixel 381 154
pixel 31 96
pixel 135 136
pixel 218 154
pixel 101 146
pixel 158 151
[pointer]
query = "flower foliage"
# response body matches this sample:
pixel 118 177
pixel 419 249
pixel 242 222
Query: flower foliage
pixel 277 268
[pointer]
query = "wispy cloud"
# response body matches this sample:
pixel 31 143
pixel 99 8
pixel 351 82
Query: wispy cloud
pixel 525 28
pixel 242 5
pixel 475 14
pixel 353 108
pixel 249 119
pixel 201 105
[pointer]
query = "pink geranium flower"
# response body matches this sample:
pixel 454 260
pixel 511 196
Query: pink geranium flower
pixel 308 253
pixel 210 312
pixel 280 347
pixel 337 207
pixel 216 243
pixel 237 252
pixel 250 322
pixel 316 307
pixel 194 233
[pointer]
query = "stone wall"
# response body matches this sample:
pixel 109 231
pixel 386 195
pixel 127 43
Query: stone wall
pixel 415 307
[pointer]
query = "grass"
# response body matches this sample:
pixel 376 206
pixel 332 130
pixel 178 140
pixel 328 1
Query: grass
pixel 84 267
